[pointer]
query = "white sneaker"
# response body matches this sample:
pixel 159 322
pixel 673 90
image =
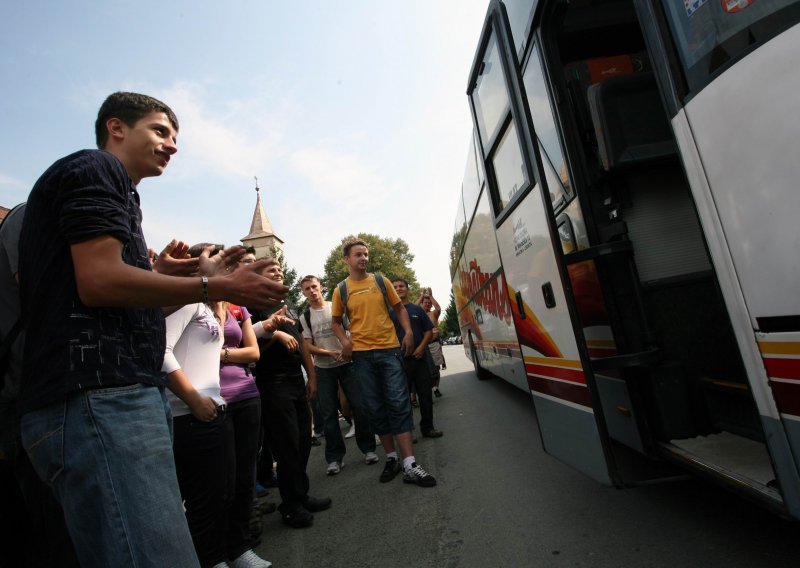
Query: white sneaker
pixel 334 468
pixel 249 559
pixel 351 432
pixel 371 458
pixel 220 565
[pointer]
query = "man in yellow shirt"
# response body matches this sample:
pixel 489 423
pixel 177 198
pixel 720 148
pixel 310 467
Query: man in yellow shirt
pixel 377 359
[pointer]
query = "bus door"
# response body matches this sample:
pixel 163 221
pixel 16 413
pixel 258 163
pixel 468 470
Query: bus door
pixel 674 384
pixel 524 223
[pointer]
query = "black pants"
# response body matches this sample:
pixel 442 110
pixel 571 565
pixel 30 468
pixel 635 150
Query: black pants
pixel 205 478
pixel 419 379
pixel 287 418
pixel 244 418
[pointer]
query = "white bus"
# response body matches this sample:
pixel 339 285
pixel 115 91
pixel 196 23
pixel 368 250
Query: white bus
pixel 627 247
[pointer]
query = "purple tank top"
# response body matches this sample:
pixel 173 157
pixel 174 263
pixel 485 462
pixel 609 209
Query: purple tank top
pixel 234 381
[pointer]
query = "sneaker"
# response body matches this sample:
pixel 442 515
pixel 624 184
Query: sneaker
pixel 315 441
pixel 419 476
pixel 436 393
pixel 334 468
pixel 432 433
pixel 317 504
pixel 319 434
pixel 351 432
pixel 298 519
pixel 371 458
pixel 221 565
pixel 250 559
pixel 390 470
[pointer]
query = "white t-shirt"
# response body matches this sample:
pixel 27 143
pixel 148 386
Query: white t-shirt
pixel 194 339
pixel 323 336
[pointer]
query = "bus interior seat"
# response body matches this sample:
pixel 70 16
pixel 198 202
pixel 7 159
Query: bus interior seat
pixel 580 75
pixel 630 121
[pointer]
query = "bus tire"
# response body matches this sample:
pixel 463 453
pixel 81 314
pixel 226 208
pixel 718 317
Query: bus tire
pixel 480 372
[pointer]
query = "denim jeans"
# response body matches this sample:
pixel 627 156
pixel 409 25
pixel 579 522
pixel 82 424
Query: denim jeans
pixel 384 390
pixel 328 381
pixel 107 455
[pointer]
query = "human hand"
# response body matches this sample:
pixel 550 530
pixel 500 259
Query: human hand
pixel 407 347
pixel 248 287
pixel 204 408
pixel 418 352
pixel 337 355
pixel 221 263
pixel 276 320
pixel 174 260
pixel 311 388
pixel 287 340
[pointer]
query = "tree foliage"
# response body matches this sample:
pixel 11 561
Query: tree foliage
pixel 390 257
pixel 451 318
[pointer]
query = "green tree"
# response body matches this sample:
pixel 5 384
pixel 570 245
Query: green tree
pixel 451 318
pixel 390 257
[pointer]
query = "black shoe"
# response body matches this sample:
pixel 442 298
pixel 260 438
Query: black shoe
pixel 436 393
pixel 316 504
pixel 390 470
pixel 315 441
pixel 419 476
pixel 298 519
pixel 432 433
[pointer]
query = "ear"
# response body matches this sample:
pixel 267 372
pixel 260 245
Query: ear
pixel 116 129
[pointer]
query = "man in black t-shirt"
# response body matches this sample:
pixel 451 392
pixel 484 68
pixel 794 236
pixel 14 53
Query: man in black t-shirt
pixel 416 364
pixel 94 419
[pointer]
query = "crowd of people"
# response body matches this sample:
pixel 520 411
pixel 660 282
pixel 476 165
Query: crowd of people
pixel 146 396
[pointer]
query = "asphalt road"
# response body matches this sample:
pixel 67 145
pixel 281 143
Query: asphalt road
pixel 502 502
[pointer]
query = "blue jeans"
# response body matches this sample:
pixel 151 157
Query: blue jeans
pixel 328 381
pixel 107 455
pixel 384 390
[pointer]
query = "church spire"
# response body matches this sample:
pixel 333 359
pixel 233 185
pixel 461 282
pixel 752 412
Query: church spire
pixel 262 236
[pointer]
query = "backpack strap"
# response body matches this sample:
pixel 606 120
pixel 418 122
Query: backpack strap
pixel 342 286
pixel 382 286
pixel 307 317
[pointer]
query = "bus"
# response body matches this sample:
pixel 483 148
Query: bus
pixel 626 245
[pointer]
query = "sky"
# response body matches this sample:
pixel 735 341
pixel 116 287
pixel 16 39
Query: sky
pixel 352 114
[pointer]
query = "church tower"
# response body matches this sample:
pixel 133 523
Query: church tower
pixel 262 236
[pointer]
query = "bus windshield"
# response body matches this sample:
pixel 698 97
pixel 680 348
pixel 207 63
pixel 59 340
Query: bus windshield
pixel 711 34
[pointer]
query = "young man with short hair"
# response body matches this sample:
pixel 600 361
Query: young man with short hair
pixel 416 363
pixel 377 359
pixel 333 371
pixel 95 422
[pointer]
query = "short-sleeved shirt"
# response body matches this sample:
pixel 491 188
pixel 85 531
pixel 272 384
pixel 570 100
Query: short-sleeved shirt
pixel 70 346
pixel 235 380
pixel 371 326
pixel 322 334
pixel 420 323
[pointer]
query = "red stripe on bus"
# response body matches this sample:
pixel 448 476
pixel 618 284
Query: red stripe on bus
pixel 783 368
pixel 565 391
pixel 787 397
pixel 572 375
